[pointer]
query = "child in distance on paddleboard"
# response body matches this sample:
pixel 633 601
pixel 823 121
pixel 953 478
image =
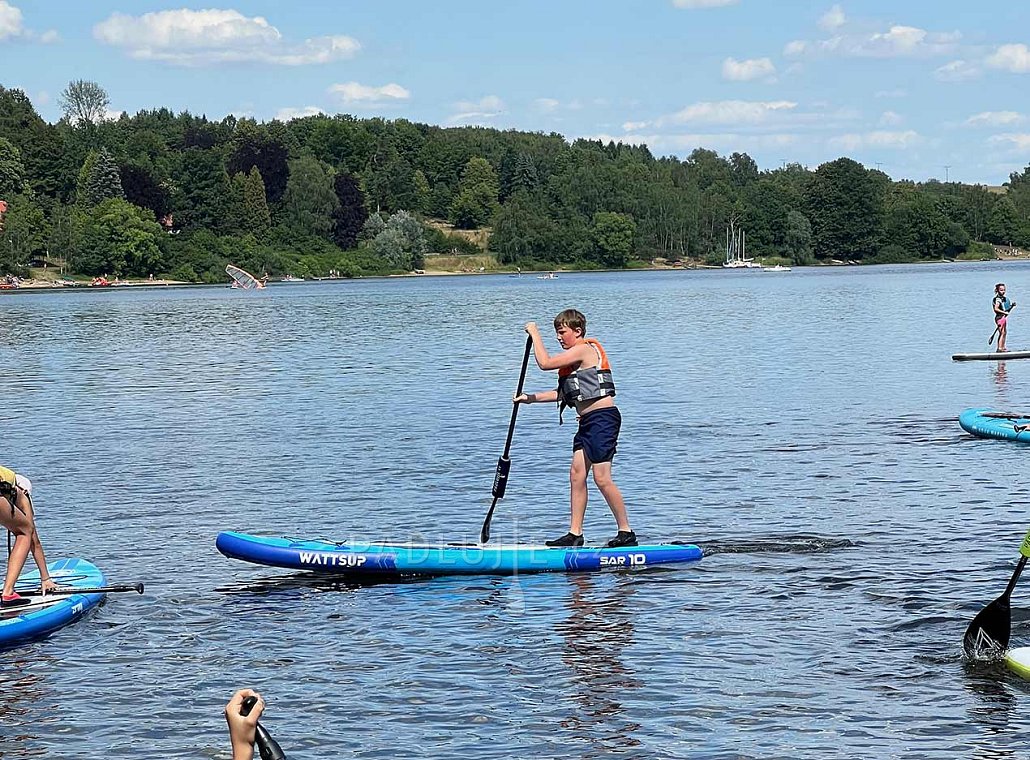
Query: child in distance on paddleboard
pixel 1002 306
pixel 584 382
pixel 16 515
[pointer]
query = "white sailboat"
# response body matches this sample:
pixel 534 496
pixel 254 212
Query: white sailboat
pixel 736 250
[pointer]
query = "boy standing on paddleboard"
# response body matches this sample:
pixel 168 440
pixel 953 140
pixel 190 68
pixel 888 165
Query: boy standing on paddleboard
pixel 16 515
pixel 585 383
pixel 1002 306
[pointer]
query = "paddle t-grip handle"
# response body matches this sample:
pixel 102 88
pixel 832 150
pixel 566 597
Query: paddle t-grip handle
pixel 501 477
pixel 268 747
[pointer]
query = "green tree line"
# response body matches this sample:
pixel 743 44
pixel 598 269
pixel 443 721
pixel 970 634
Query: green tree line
pixel 179 195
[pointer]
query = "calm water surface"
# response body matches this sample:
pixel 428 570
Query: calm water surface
pixel 759 408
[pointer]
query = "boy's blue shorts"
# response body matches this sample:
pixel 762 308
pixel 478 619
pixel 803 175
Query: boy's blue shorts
pixel 598 434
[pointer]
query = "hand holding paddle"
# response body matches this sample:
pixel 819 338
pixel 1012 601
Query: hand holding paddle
pixel 504 463
pixel 268 747
pixel 989 632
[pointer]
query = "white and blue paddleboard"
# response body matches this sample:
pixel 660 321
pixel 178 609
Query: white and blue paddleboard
pixel 985 423
pixel 46 614
pixel 383 559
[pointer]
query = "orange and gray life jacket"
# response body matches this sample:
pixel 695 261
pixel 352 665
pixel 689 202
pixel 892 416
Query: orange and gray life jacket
pixel 576 386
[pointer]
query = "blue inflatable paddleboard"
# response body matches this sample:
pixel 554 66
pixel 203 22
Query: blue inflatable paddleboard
pixel 46 614
pixel 378 559
pixel 985 423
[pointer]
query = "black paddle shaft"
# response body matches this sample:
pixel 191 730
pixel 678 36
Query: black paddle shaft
pixel 268 747
pixel 504 463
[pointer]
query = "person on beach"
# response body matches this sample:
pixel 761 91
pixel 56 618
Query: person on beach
pixel 17 516
pixel 585 383
pixel 1002 306
pixel 243 728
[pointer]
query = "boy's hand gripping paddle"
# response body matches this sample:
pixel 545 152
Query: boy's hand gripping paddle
pixel 268 747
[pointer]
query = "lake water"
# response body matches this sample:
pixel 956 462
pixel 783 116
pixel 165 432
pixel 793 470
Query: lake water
pixel 783 412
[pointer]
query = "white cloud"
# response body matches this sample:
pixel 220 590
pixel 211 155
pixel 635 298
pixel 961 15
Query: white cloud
pixel 703 3
pixel 546 104
pixel 898 93
pixel 747 70
pixel 288 114
pixel 10 21
pixel 890 118
pixel 995 119
pixel 730 112
pixel 1018 142
pixel 477 112
pixel 957 71
pixel 877 139
pixel 896 42
pixel 197 38
pixel 49 37
pixel 354 92
pixel 1014 58
pixel 833 18
pixel 633 126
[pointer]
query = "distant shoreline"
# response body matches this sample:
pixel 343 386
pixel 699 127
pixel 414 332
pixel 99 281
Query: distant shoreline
pixel 1004 254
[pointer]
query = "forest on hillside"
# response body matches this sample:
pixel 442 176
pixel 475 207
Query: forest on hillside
pixel 181 195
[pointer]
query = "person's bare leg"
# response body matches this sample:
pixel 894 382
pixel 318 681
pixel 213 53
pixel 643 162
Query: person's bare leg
pixel 578 491
pixel 611 494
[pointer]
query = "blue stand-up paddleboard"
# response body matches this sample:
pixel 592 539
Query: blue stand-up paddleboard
pixel 985 423
pixel 46 614
pixel 372 560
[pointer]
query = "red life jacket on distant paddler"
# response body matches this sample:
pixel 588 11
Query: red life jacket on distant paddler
pixel 577 386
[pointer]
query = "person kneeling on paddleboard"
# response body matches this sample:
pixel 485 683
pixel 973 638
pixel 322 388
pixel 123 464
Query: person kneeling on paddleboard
pixel 16 515
pixel 585 383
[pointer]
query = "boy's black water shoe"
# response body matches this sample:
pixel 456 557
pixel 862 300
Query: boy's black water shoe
pixel 624 538
pixel 569 539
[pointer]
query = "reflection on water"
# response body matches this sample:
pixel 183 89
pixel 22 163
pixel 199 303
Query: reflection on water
pixel 24 698
pixel 1000 376
pixel 598 629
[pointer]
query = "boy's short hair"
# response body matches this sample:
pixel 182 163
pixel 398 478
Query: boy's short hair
pixel 999 285
pixel 573 319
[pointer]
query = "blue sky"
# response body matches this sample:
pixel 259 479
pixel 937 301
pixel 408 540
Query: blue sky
pixel 912 87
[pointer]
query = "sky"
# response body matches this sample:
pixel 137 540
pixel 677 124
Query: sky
pixel 917 88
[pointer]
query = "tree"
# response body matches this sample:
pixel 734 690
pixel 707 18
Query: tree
pixel 12 171
pixel 309 200
pixel 143 189
pixel 799 238
pixel 476 201
pixel 614 235
pixel 402 243
pixel 84 102
pixel 120 239
pixel 99 180
pixel 1003 226
pixel 255 217
pixel 25 232
pixel 350 214
pixel 201 191
pixel 845 206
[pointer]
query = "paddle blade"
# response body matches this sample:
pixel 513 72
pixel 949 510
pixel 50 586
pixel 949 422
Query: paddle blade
pixel 988 634
pixel 501 477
